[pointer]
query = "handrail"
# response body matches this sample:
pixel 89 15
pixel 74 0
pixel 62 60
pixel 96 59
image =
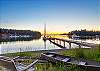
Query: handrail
pixel 75 42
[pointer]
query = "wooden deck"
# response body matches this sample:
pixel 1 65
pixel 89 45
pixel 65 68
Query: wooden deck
pixel 53 40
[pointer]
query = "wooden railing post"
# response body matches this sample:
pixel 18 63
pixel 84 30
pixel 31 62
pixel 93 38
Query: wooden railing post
pixel 64 43
pixel 60 42
pixel 57 41
pixel 69 45
pixel 54 40
pixel 79 46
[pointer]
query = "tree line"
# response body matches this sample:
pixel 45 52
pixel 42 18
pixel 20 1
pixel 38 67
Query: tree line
pixel 84 33
pixel 20 32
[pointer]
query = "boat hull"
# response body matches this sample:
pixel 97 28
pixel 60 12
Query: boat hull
pixel 53 59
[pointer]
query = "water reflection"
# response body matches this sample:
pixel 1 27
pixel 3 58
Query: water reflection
pixel 36 45
pixel 24 46
pixel 44 44
pixel 18 39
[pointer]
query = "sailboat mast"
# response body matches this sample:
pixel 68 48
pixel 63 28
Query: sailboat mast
pixel 44 30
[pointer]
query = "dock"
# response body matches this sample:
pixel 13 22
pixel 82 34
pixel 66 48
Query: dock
pixel 58 41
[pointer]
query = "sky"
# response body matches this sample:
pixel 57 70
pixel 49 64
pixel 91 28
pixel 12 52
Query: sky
pixel 58 15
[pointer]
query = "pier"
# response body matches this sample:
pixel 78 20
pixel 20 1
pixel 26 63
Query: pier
pixel 58 41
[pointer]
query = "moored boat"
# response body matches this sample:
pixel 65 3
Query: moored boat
pixel 55 58
pixel 6 62
pixel 12 65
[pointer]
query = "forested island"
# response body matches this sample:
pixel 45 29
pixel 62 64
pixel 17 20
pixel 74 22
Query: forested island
pixel 13 34
pixel 84 34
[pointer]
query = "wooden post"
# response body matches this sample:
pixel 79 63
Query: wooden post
pixel 64 43
pixel 50 41
pixel 57 41
pixel 79 46
pixel 54 40
pixel 60 42
pixel 69 45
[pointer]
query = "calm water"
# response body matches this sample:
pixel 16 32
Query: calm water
pixel 23 46
pixel 34 45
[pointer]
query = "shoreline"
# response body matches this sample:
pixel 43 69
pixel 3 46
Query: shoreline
pixel 40 51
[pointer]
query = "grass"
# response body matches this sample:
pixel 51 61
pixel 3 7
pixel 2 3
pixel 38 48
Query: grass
pixel 33 55
pixel 87 53
pixel 58 67
pixel 92 54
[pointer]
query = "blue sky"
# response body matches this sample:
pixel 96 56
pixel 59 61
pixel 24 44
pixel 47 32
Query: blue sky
pixel 59 15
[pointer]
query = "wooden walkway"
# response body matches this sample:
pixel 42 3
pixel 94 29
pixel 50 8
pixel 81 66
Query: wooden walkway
pixel 57 41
